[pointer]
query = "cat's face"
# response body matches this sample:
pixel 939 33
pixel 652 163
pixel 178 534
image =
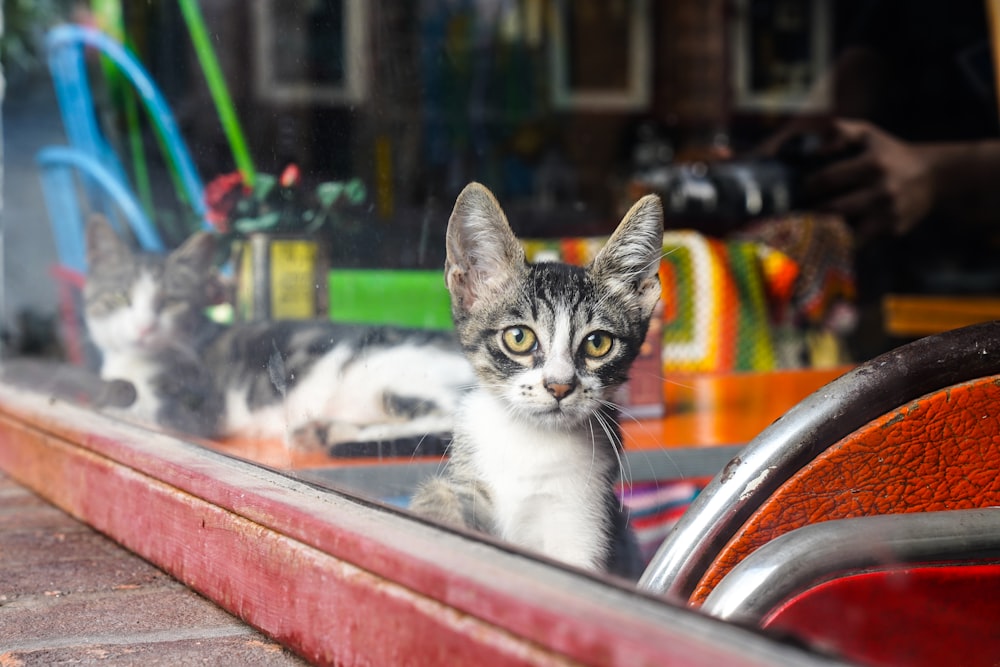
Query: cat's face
pixel 556 346
pixel 552 341
pixel 135 302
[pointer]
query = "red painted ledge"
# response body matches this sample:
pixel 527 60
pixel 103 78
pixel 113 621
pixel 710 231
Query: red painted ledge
pixel 337 579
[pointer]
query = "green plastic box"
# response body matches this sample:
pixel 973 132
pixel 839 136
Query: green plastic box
pixel 403 298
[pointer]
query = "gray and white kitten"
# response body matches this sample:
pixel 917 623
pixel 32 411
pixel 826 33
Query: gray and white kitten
pixel 145 315
pixel 536 448
pixel 314 383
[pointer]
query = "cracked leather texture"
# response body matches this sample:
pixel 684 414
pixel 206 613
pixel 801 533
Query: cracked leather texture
pixel 940 452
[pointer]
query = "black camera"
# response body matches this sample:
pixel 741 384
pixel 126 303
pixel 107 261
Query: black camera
pixel 719 196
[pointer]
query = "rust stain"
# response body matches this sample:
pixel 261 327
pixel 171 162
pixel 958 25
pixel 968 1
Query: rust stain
pixel 895 419
pixel 730 469
pixel 905 413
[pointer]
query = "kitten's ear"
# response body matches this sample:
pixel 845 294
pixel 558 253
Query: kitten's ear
pixel 104 247
pixel 198 252
pixel 483 253
pixel 195 259
pixel 630 261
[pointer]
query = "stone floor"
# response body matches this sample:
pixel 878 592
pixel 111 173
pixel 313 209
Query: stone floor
pixel 69 595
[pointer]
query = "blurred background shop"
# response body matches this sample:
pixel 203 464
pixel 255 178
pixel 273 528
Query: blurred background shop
pixel 569 111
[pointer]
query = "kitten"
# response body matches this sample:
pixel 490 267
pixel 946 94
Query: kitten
pixel 314 383
pixel 145 315
pixel 319 383
pixel 536 449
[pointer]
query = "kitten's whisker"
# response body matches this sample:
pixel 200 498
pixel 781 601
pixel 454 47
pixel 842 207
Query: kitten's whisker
pixel 593 453
pixel 679 384
pixel 488 385
pixel 443 462
pixel 659 258
pixel 420 442
pixel 646 430
pixel 643 269
pixel 618 441
pixel 619 409
pixel 608 424
pixel 608 430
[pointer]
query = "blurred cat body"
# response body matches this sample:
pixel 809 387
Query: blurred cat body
pixel 314 383
pixel 536 449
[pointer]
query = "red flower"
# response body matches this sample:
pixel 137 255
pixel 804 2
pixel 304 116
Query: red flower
pixel 221 195
pixel 290 176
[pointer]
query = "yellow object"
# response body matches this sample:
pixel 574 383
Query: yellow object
pixel 293 274
pixel 280 278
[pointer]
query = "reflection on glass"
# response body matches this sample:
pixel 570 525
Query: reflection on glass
pixel 295 309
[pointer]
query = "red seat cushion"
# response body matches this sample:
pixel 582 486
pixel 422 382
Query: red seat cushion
pixel 927 615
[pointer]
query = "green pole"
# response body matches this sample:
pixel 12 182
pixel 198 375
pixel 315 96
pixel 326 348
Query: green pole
pixel 217 87
pixel 110 18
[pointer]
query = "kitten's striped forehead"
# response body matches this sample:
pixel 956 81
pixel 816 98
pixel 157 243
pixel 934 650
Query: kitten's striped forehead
pixel 553 292
pixel 128 269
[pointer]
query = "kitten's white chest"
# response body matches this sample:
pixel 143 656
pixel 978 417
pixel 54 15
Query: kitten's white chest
pixel 547 485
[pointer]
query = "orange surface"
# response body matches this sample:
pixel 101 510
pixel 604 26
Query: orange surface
pixel 702 410
pixel 723 409
pixel 911 315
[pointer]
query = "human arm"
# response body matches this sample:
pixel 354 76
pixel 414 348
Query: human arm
pixel 888 185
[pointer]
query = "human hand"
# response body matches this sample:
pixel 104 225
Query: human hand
pixel 885 185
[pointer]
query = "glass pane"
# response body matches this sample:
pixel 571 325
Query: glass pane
pixel 251 247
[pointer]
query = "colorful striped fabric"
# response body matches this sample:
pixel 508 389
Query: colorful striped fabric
pixel 823 246
pixel 655 507
pixel 718 300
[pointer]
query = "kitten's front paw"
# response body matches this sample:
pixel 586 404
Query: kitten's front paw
pixel 116 394
pixel 320 435
pixel 438 501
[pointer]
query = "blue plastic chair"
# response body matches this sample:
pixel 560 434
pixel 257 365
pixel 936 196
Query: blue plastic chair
pixel 66 47
pixel 62 170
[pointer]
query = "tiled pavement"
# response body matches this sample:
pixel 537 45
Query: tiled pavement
pixel 69 595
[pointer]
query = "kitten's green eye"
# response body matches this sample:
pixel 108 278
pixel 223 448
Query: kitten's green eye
pixel 598 344
pixel 519 340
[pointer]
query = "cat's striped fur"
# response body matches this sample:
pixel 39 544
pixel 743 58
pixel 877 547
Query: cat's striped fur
pixel 536 449
pixel 315 383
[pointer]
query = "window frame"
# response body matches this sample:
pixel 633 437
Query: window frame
pixel 634 95
pixel 814 97
pixel 269 87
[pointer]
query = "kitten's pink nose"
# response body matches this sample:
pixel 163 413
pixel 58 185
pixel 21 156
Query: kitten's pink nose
pixel 560 390
pixel 146 330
